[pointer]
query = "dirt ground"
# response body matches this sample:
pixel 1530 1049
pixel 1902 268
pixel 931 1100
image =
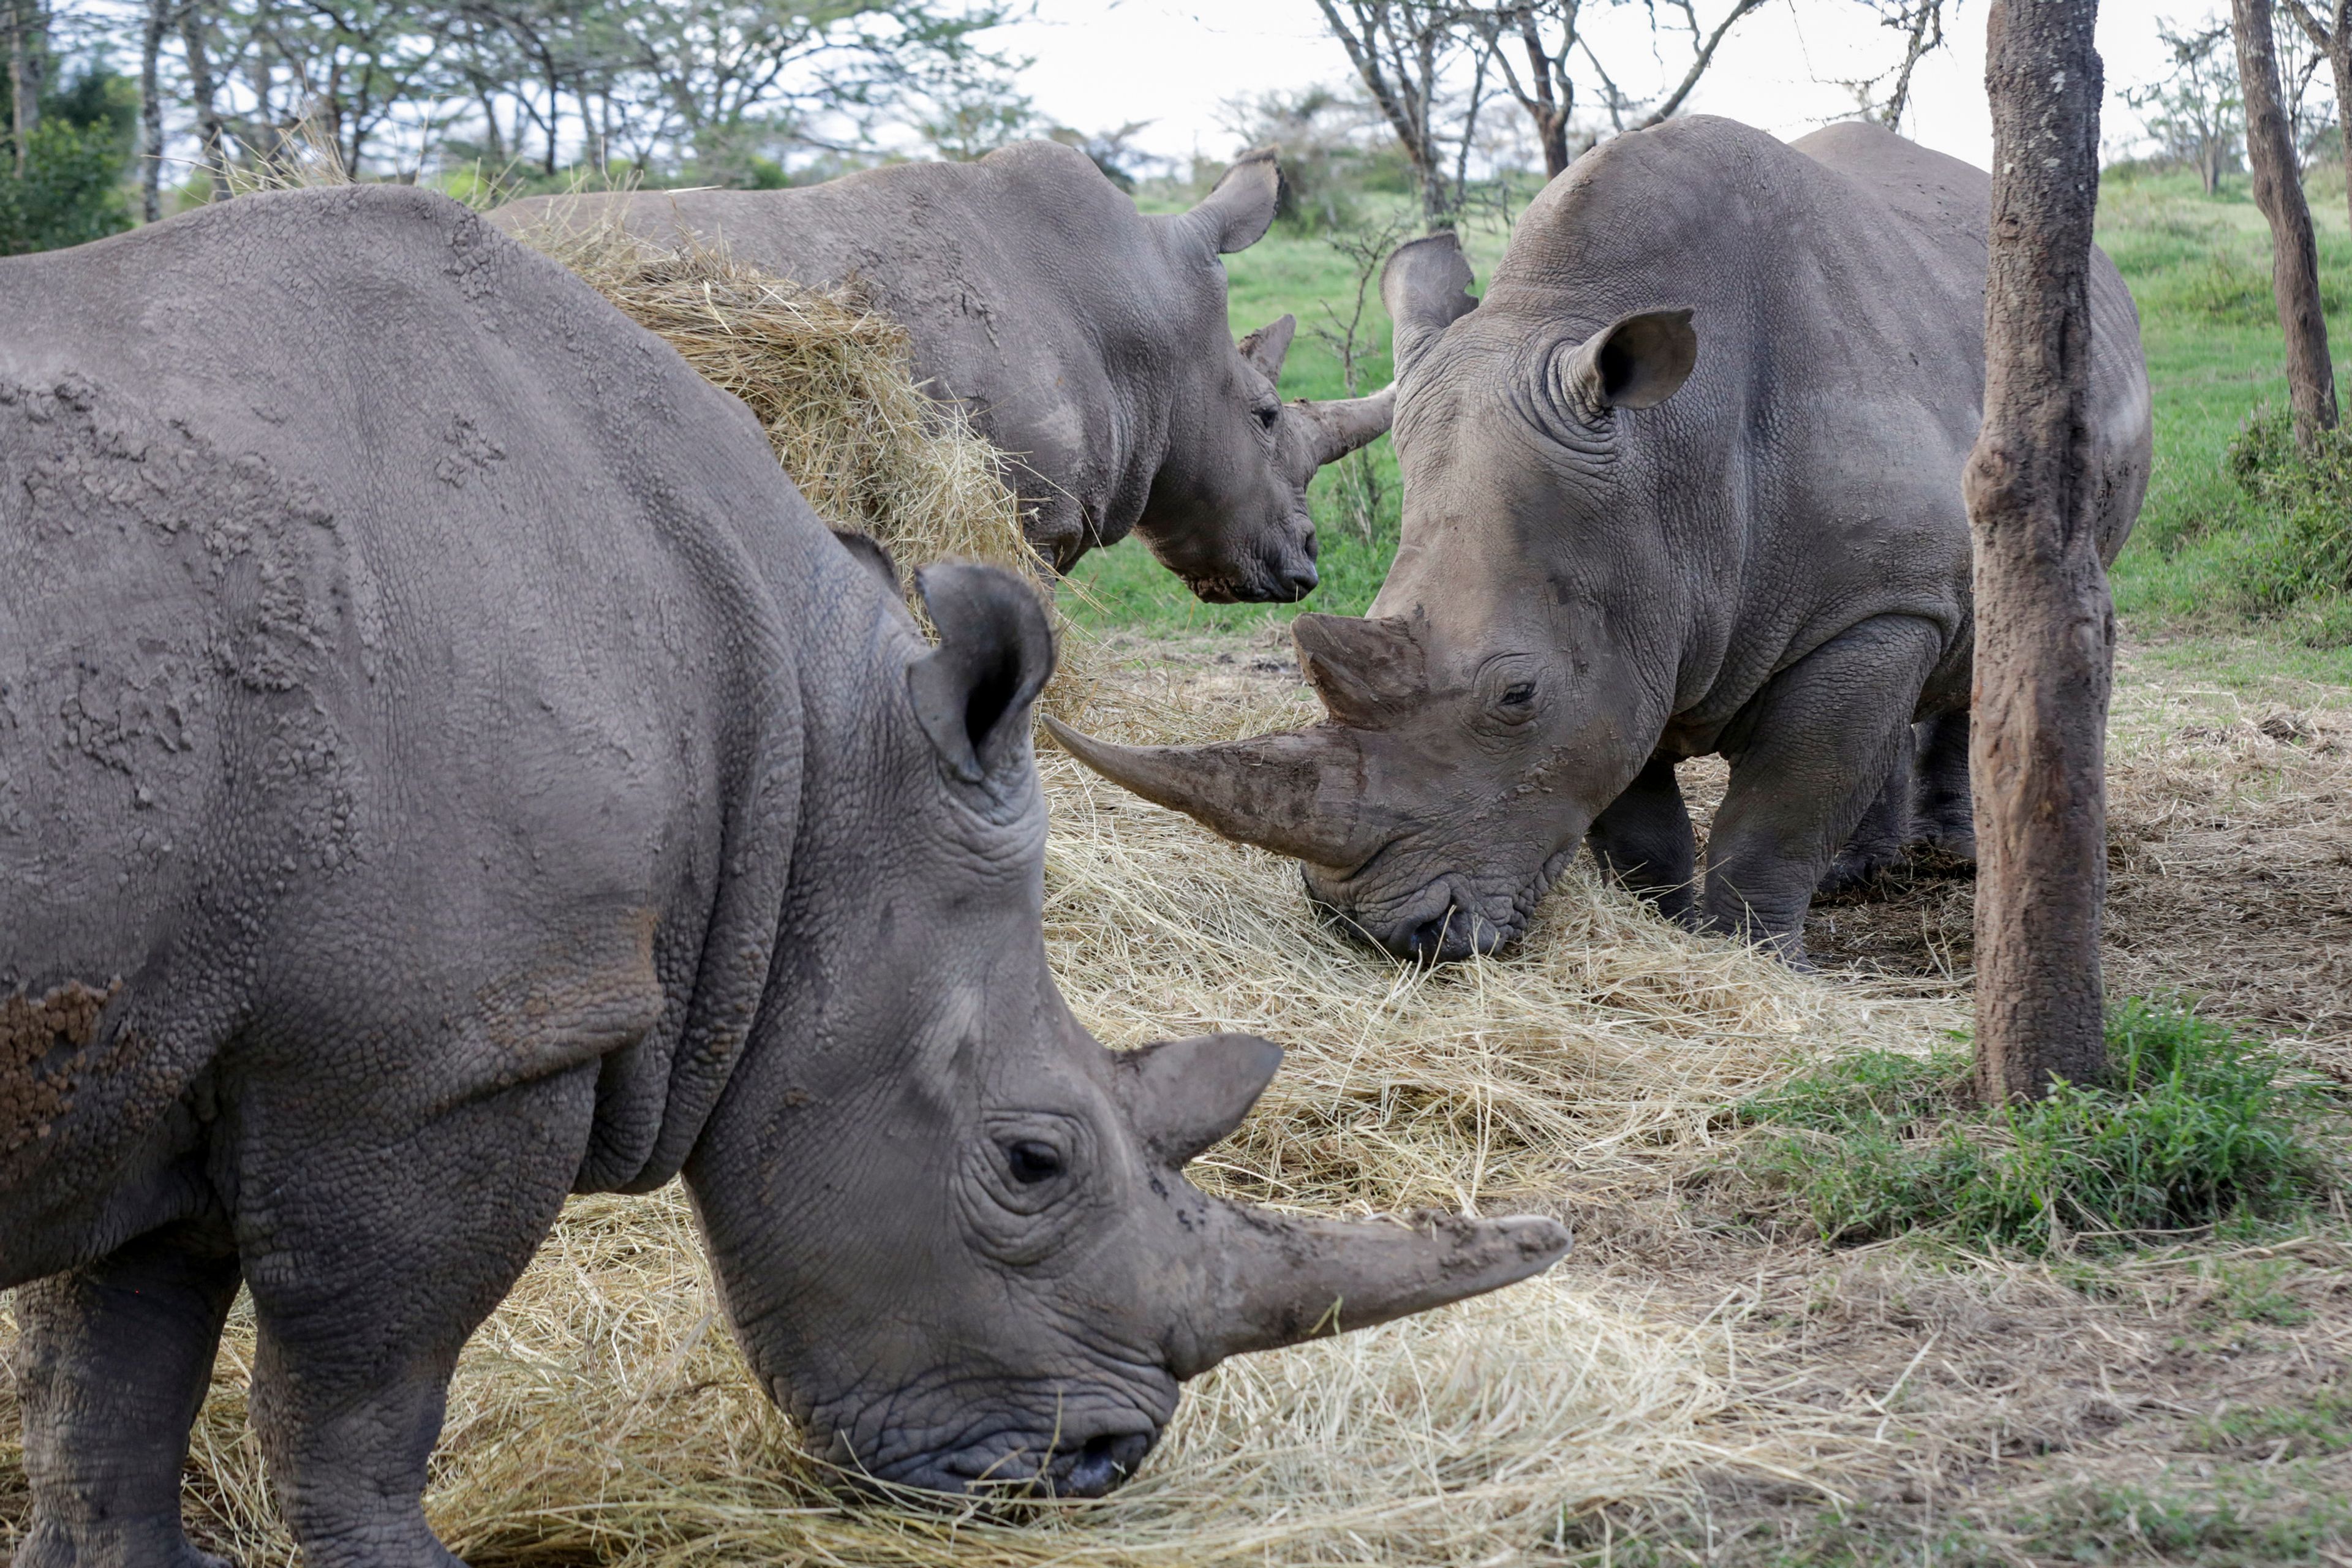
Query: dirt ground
pixel 2190 1403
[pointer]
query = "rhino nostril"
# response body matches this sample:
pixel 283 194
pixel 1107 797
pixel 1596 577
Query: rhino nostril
pixel 1439 936
pixel 1103 1463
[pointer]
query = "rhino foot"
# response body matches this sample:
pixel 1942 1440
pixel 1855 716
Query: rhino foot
pixel 1859 865
pixel 152 1544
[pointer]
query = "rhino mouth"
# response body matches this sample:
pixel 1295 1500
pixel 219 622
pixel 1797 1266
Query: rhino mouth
pixel 1448 919
pixel 1015 1466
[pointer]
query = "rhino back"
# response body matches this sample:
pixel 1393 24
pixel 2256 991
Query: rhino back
pixel 365 697
pixel 1837 288
pixel 1035 295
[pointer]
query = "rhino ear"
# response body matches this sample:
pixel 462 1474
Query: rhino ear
pixel 972 693
pixel 1236 215
pixel 1638 362
pixel 1425 288
pixel 1184 1096
pixel 1267 347
pixel 1370 673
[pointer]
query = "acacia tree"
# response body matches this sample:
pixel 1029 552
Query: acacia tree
pixel 1549 34
pixel 2194 112
pixel 2278 192
pixel 2044 624
pixel 1406 53
pixel 2329 28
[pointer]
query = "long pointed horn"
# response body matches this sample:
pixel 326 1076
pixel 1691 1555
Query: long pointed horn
pixel 1275 1280
pixel 1342 425
pixel 1297 794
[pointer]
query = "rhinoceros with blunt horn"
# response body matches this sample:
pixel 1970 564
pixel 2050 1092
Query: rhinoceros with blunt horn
pixel 443 767
pixel 1686 480
pixel 1088 341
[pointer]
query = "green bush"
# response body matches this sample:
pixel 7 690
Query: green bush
pixel 2297 550
pixel 72 190
pixel 2194 1126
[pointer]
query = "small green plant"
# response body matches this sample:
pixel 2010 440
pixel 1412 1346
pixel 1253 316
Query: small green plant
pixel 2298 549
pixel 2194 1126
pixel 2320 1425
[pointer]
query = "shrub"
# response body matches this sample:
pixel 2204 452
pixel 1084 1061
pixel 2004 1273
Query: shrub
pixel 2299 547
pixel 2194 1126
pixel 72 190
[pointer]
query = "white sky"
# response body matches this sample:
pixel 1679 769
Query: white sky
pixel 1173 62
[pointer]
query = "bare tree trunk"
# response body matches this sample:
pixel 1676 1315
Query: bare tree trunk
pixel 2339 65
pixel 24 64
pixel 150 111
pixel 2278 190
pixel 2044 624
pixel 202 86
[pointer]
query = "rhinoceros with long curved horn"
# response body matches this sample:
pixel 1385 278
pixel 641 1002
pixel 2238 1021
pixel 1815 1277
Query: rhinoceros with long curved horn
pixel 1686 480
pixel 444 766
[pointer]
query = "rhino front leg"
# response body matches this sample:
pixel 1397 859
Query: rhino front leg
pixel 1644 841
pixel 1880 837
pixel 377 1254
pixel 1816 749
pixel 1944 810
pixel 111 1371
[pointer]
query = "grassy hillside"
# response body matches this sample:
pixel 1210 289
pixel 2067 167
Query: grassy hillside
pixel 2199 267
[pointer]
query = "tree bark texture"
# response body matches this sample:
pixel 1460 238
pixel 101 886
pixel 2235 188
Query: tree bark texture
pixel 206 91
pixel 2044 624
pixel 2278 192
pixel 150 111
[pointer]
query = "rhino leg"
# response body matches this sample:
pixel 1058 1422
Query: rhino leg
pixel 374 1251
pixel 1644 841
pixel 1943 811
pixel 1815 749
pixel 1879 838
pixel 111 1369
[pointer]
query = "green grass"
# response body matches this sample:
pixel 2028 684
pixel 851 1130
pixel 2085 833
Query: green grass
pixel 2198 265
pixel 2240 1515
pixel 2194 1127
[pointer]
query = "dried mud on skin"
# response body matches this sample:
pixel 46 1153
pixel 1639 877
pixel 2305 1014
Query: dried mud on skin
pixel 1679 1378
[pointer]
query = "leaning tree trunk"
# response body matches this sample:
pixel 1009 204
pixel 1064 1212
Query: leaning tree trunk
pixel 2044 624
pixel 2339 65
pixel 207 92
pixel 2278 190
pixel 150 111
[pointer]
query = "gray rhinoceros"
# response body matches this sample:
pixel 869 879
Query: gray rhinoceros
pixel 1088 342
pixel 442 767
pixel 1686 480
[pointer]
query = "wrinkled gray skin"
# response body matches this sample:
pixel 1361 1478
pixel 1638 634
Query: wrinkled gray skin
pixel 1087 342
pixel 1686 480
pixel 442 767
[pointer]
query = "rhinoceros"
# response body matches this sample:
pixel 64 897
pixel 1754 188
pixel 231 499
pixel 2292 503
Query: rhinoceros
pixel 1088 341
pixel 1686 480
pixel 444 767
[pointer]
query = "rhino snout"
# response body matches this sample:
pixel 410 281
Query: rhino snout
pixel 1444 923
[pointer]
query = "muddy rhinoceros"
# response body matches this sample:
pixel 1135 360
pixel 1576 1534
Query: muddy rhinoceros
pixel 1088 342
pixel 1686 480
pixel 443 767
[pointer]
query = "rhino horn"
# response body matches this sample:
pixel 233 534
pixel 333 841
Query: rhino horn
pixel 1295 792
pixel 1276 1279
pixel 1340 425
pixel 1370 672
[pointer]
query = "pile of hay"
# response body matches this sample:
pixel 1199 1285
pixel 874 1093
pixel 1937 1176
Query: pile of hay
pixel 830 380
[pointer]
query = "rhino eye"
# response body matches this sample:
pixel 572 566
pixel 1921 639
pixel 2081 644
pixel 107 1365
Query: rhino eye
pixel 1032 1161
pixel 1267 416
pixel 1519 695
